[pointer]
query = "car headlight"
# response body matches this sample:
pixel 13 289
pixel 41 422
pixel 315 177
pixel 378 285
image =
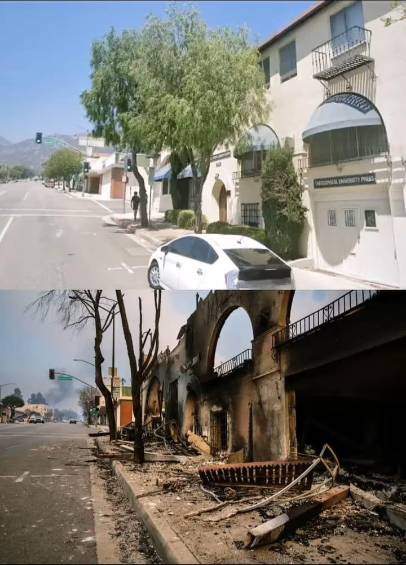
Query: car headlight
pixel 231 279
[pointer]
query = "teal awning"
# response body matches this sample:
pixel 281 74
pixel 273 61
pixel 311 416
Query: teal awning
pixel 346 110
pixel 163 173
pixel 187 173
pixel 258 138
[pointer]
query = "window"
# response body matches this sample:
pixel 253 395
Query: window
pixel 287 61
pixel 267 71
pixel 203 252
pixel 345 26
pixel 332 218
pixel 347 144
pixel 165 187
pixel 251 163
pixel 256 257
pixel 350 219
pixel 370 218
pixel 182 246
pixel 250 214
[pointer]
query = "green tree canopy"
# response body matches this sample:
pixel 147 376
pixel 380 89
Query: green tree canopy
pixel 201 88
pixel 282 206
pixel 114 103
pixel 13 400
pixel 63 164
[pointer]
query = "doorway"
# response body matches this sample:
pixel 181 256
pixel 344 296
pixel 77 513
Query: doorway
pixel 223 204
pixel 218 431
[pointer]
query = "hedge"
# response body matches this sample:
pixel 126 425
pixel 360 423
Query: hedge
pixel 255 233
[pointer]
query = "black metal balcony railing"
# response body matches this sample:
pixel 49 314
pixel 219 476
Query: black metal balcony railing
pixel 237 175
pixel 241 360
pixel 342 53
pixel 339 307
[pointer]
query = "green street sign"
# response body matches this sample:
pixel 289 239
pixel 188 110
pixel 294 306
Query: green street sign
pixel 63 378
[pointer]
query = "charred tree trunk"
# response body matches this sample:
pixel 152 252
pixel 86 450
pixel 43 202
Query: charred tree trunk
pixel 98 361
pixel 143 193
pixel 136 381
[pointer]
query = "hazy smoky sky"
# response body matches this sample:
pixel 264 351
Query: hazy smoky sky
pixel 29 346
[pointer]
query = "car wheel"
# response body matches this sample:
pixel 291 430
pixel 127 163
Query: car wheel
pixel 154 276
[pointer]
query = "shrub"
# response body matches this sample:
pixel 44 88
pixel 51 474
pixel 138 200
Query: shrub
pixel 186 219
pixel 255 233
pixel 282 207
pixel 172 216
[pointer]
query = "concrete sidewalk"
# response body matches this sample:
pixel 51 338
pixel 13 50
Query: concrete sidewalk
pixel 159 232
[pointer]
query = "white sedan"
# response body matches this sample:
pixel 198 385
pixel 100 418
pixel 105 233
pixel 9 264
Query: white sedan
pixel 217 261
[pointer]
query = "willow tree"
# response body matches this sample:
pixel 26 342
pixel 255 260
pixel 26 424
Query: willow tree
pixel 201 89
pixel 114 103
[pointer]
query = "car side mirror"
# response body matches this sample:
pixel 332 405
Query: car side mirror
pixel 165 248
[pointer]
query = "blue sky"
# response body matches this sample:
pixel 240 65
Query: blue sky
pixel 30 347
pixel 45 52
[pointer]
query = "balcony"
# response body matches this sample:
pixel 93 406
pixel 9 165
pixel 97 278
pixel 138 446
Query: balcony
pixel 247 174
pixel 342 53
pixel 240 361
pixel 338 308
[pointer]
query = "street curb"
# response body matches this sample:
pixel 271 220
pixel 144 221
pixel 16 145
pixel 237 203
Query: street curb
pixel 109 221
pixel 168 544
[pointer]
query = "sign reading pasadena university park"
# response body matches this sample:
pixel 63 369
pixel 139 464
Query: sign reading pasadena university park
pixel 348 180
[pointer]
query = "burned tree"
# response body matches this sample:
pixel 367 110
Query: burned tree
pixel 141 368
pixel 75 308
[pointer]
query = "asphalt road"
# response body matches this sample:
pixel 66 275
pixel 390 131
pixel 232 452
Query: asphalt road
pixel 51 239
pixel 46 512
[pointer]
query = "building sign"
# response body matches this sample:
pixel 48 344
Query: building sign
pixel 219 156
pixel 348 180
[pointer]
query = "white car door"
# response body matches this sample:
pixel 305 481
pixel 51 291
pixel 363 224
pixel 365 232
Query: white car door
pixel 176 264
pixel 196 272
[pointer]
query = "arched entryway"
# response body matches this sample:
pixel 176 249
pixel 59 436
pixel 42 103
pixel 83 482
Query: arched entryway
pixel 191 422
pixel 153 406
pixel 223 204
pixel 220 195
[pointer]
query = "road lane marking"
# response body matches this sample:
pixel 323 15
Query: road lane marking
pixel 103 206
pixel 22 477
pixel 127 268
pixel 8 476
pixel 50 216
pixel 67 210
pixel 114 268
pixel 26 195
pixel 3 233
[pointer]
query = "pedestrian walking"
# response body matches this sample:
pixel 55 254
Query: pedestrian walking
pixel 135 200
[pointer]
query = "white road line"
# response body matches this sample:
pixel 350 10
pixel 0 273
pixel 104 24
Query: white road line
pixel 103 206
pixel 127 268
pixel 51 216
pixel 26 195
pixel 22 477
pixel 8 476
pixel 139 266
pixel 138 241
pixel 3 233
pixel 67 210
pixel 114 268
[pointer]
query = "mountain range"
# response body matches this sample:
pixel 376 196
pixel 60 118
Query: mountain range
pixel 32 154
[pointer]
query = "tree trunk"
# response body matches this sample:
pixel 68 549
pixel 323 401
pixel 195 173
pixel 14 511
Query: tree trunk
pixel 143 193
pixel 100 384
pixel 135 382
pixel 198 183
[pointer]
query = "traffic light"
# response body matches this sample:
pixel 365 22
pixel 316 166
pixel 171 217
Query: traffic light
pixel 129 165
pixel 52 374
pixel 86 167
pixel 38 137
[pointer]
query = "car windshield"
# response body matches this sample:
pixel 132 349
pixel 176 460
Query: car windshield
pixel 248 257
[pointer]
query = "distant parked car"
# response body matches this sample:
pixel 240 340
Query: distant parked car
pixel 217 261
pixel 32 419
pixel 72 421
pixel 40 420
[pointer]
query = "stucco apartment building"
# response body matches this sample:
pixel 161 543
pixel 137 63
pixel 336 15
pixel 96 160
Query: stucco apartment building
pixel 335 82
